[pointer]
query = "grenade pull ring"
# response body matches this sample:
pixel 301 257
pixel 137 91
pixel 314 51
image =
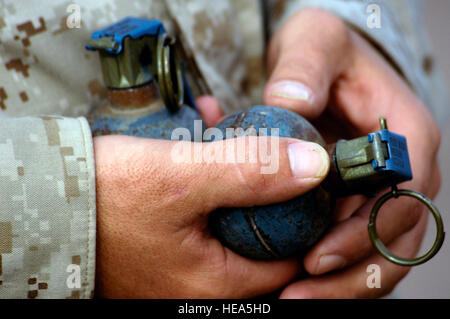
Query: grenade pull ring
pixel 396 193
pixel 169 72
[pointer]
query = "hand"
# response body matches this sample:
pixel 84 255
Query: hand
pixel 152 234
pixel 328 73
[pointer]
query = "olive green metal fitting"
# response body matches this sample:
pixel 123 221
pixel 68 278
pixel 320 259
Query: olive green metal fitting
pixel 354 161
pixel 381 248
pixel 132 67
pixel 103 44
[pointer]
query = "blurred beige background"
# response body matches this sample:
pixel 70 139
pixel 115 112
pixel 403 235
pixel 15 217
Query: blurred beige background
pixel 432 280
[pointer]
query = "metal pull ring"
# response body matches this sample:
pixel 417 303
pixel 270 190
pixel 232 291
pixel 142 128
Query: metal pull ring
pixel 381 248
pixel 169 73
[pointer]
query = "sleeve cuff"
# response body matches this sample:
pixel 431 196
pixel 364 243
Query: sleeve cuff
pixel 47 208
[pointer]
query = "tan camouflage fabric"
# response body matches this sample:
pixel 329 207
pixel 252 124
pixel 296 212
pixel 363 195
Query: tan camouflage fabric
pixel 48 82
pixel 47 202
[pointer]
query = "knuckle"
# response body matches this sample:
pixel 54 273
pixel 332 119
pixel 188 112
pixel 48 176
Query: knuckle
pixel 436 183
pixel 431 129
pixel 331 23
pixel 309 71
pixel 249 172
pixel 436 136
pixel 412 213
pixel 250 178
pixel 386 287
pixel 319 54
pixel 415 213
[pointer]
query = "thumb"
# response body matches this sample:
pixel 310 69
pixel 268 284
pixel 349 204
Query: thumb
pixel 200 177
pixel 235 172
pixel 304 58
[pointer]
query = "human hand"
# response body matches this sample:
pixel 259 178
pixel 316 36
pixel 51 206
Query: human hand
pixel 152 232
pixel 328 73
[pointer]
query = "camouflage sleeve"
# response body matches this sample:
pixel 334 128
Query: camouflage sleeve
pixel 47 208
pixel 397 30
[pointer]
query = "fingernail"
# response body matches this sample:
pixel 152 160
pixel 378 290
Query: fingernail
pixel 330 262
pixel 308 160
pixel 291 90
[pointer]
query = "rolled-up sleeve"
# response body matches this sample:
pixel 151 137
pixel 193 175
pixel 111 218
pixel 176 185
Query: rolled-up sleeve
pixel 47 208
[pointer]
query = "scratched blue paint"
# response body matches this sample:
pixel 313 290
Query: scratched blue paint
pixel 289 228
pixel 158 125
pixel 128 27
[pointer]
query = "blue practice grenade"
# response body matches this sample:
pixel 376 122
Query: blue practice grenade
pixel 149 97
pixel 280 230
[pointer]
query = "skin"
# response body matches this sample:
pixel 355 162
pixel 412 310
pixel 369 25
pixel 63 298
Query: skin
pixel 152 213
pixel 152 236
pixel 351 86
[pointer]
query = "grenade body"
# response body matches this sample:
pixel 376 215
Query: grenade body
pixel 158 124
pixel 279 230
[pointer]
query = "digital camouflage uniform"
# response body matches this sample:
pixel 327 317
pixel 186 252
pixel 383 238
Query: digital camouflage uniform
pixel 48 82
